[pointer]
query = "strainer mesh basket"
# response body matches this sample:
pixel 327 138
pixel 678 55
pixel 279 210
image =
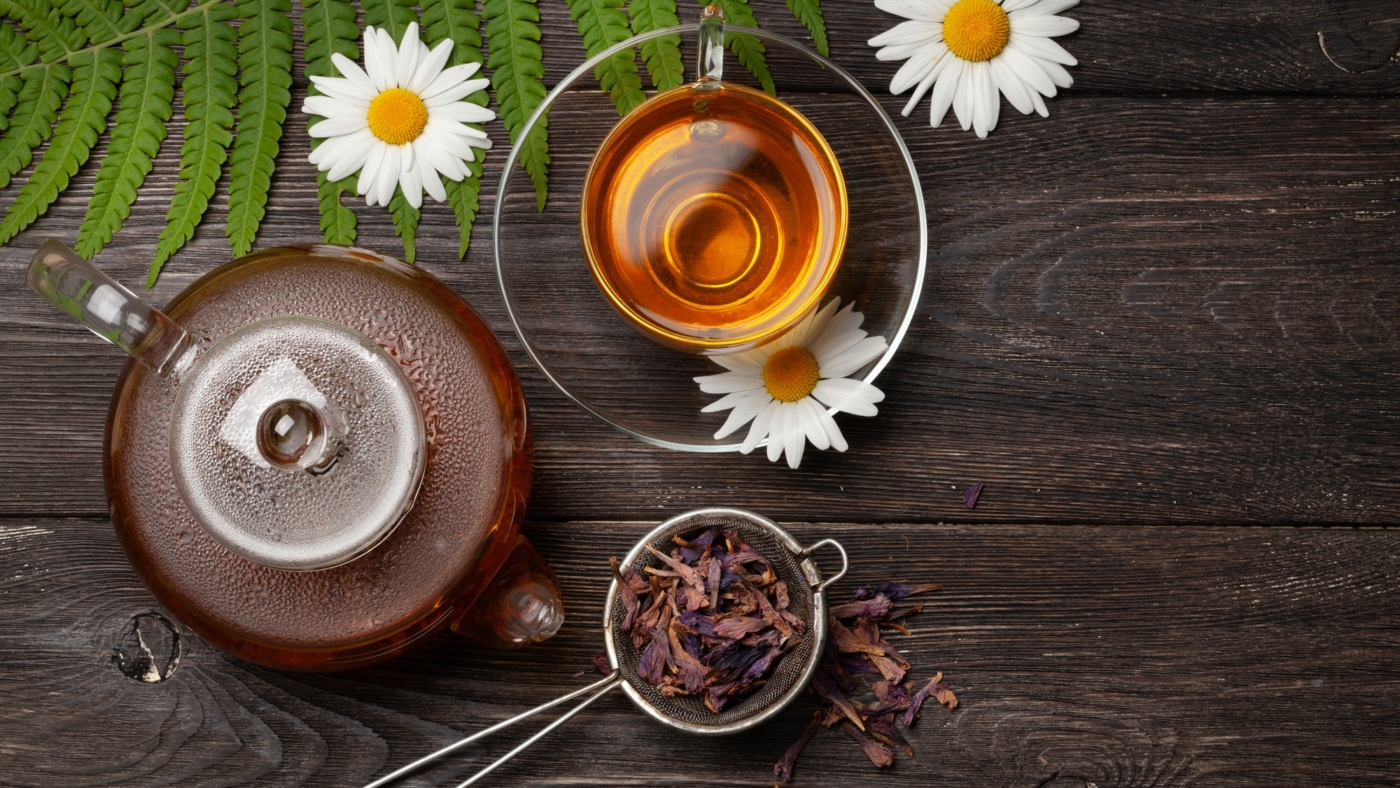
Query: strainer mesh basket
pixel 784 678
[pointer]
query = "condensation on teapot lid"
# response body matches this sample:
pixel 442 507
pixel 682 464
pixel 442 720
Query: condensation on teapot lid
pixel 297 443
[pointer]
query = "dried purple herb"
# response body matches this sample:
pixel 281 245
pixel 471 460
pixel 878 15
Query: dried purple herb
pixel 600 661
pixel 782 771
pixel 970 497
pixel 858 657
pixel 710 621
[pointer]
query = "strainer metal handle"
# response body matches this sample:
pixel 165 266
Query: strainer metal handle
pixel 599 688
pixel 845 562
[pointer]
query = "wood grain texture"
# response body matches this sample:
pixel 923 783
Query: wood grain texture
pixel 1142 309
pixel 1117 656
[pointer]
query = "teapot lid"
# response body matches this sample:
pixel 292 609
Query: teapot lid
pixel 297 443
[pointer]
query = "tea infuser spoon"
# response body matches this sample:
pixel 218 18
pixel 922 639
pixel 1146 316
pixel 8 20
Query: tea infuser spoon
pixel 791 562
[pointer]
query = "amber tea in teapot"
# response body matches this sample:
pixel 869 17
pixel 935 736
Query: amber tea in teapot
pixel 714 215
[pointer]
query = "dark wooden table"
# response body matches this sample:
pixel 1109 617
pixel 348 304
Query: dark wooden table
pixel 1163 326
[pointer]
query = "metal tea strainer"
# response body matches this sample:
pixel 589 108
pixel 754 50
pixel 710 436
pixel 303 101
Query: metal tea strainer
pixel 791 563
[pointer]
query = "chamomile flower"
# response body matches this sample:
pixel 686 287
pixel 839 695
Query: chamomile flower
pixel 399 121
pixel 967 50
pixel 786 386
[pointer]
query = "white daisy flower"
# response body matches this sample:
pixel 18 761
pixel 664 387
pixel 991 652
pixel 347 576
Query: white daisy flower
pixel 399 121
pixel 967 50
pixel 786 386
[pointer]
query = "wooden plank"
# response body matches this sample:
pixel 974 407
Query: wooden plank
pixel 1096 654
pixel 1178 310
pixel 1128 46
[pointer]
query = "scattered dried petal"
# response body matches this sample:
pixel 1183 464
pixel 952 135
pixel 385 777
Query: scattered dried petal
pixel 601 662
pixel 878 753
pixel 875 607
pixel 970 497
pixel 882 728
pixel 782 771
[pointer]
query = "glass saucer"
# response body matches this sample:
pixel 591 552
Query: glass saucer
pixel 589 351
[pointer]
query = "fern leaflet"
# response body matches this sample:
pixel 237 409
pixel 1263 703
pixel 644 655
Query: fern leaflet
pixel 100 19
pixel 513 32
pixel 57 36
pixel 330 29
pixel 95 76
pixel 389 15
pixel 662 55
pixel 265 74
pixel 148 86
pixel 748 49
pixel 455 20
pixel 15 54
pixel 405 224
pixel 36 109
pixel 209 90
pixel 603 23
pixel 809 13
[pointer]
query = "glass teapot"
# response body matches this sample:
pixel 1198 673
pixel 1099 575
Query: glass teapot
pixel 317 457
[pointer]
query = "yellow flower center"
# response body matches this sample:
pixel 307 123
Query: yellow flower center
pixel 976 30
pixel 791 374
pixel 397 116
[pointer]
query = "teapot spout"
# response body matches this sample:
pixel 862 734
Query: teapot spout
pixel 109 310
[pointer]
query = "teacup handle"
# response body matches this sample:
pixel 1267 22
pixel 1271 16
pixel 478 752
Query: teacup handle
pixel 711 65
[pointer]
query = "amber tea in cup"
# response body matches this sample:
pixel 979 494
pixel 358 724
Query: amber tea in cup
pixel 714 216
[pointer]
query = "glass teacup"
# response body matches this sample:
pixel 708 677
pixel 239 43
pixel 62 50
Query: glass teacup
pixel 713 215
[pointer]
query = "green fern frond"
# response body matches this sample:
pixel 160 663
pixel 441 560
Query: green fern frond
pixel 209 89
pixel 95 77
pixel 148 87
pixel 329 28
pixel 465 198
pixel 513 32
pixel 393 16
pixel 15 54
pixel 809 13
pixel 153 13
pixel 57 36
pixel 456 20
pixel 100 19
pixel 405 224
pixel 603 23
pixel 662 55
pixel 36 109
pixel 748 49
pixel 265 75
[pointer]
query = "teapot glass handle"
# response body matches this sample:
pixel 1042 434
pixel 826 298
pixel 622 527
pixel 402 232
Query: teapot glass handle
pixel 109 310
pixel 711 65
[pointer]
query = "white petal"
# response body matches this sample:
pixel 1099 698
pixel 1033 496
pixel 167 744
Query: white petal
pixel 900 52
pixel 728 382
pixel 411 182
pixel 1027 67
pixel 379 72
pixel 428 176
pixel 963 101
pixel 926 10
pixel 812 425
pixel 988 98
pixel 1043 48
pixel 449 78
pixel 833 432
pixel 439 159
pixel 430 67
pixel 344 89
pixel 388 58
pixel 1012 86
pixel 351 160
pixel 849 396
pixel 1048 26
pixel 913 71
pixel 454 93
pixel 407 66
pixel 777 431
pixel 942 60
pixel 744 363
pixel 344 124
pixel 369 174
pixel 912 32
pixel 759 429
pixel 357 79
pixel 1057 73
pixel 389 174
pixel 328 107
pixel 795 436
pixel 848 361
pixel 462 112
pixel 746 405
pixel 1015 5
pixel 1040 107
pixel 1047 7
pixel 814 324
pixel 944 90
pixel 840 332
